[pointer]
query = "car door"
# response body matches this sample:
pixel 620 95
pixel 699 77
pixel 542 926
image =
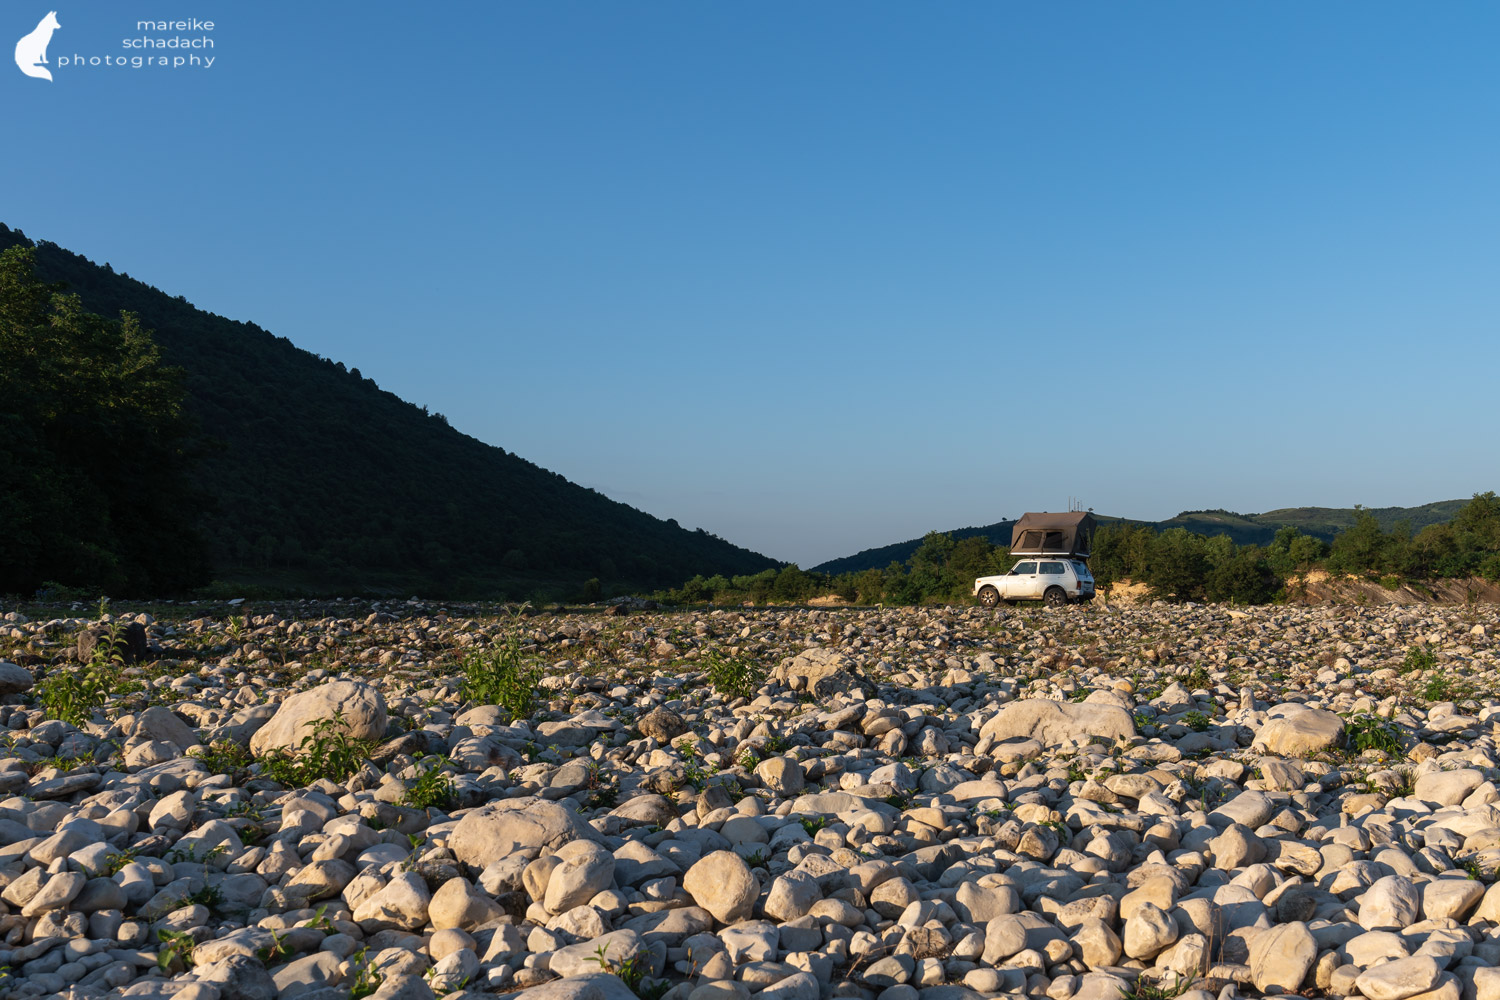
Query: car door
pixel 1021 582
pixel 1050 574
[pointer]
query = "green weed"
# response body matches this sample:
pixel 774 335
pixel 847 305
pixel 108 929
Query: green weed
pixel 433 787
pixel 174 947
pixel 734 678
pixel 500 676
pixel 1418 658
pixel 1370 732
pixel 328 752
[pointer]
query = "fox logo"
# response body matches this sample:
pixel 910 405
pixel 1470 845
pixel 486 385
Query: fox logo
pixel 31 50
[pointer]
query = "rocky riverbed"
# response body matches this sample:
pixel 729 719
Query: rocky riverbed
pixel 309 800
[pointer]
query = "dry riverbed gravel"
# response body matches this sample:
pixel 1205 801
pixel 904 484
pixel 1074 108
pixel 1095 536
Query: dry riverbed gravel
pixel 909 804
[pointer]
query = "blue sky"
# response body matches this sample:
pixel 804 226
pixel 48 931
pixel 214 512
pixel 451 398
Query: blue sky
pixel 818 277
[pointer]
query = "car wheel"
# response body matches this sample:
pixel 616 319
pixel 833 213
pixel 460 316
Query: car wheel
pixel 989 596
pixel 1055 597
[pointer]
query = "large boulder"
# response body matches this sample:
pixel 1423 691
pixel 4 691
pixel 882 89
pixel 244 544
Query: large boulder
pixel 1281 956
pixel 359 707
pixel 499 829
pixel 1293 730
pixel 723 885
pixel 820 672
pixel 1057 722
pixel 14 678
pixel 130 642
pixel 585 986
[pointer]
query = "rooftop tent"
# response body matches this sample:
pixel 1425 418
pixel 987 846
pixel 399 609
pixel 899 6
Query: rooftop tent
pixel 1070 534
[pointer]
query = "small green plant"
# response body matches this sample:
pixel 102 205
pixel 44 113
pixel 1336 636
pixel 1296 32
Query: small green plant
pixel 321 921
pixel 366 979
pixel 186 855
pixel 223 757
pixel 901 799
pixel 116 860
pixel 329 751
pixel 1145 989
pixel 500 676
pixel 1370 732
pixel 1441 687
pixel 632 972
pixel 812 824
pixel 209 896
pixel 1477 870
pixel 1406 783
pixel 1418 658
pixel 1198 722
pixel 734 678
pixel 273 952
pixel 174 947
pixel 74 694
pixel 603 787
pixel 433 787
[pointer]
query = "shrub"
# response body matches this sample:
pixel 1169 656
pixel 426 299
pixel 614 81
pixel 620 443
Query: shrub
pixel 1370 732
pixel 734 678
pixel 1197 721
pixel 1418 658
pixel 73 694
pixel 223 757
pixel 329 752
pixel 433 787
pixel 500 676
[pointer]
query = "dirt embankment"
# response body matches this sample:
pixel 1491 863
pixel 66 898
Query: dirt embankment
pixel 1318 587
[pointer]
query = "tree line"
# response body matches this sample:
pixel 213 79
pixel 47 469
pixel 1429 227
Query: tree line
pixel 1175 564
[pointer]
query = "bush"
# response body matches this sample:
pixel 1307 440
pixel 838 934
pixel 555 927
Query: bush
pixel 734 678
pixel 329 752
pixel 74 694
pixel 1418 658
pixel 1370 732
pixel 500 676
pixel 433 787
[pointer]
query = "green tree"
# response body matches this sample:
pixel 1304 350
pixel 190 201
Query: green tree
pixel 1362 548
pixel 94 448
pixel 1177 565
pixel 1243 578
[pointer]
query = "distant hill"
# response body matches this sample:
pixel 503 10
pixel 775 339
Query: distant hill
pixel 1324 522
pixel 325 483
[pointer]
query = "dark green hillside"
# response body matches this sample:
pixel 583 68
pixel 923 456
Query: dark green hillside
pixel 879 558
pixel 1325 522
pixel 324 482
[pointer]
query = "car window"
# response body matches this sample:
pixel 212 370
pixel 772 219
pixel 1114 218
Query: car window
pixel 1024 569
pixel 1052 569
pixel 1082 570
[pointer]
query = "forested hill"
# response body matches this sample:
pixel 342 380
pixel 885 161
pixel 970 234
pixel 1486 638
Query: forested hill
pixel 1244 529
pixel 324 482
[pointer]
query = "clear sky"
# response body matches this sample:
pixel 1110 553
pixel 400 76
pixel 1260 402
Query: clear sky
pixel 819 277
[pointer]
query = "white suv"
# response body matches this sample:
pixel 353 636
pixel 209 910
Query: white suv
pixel 1056 581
